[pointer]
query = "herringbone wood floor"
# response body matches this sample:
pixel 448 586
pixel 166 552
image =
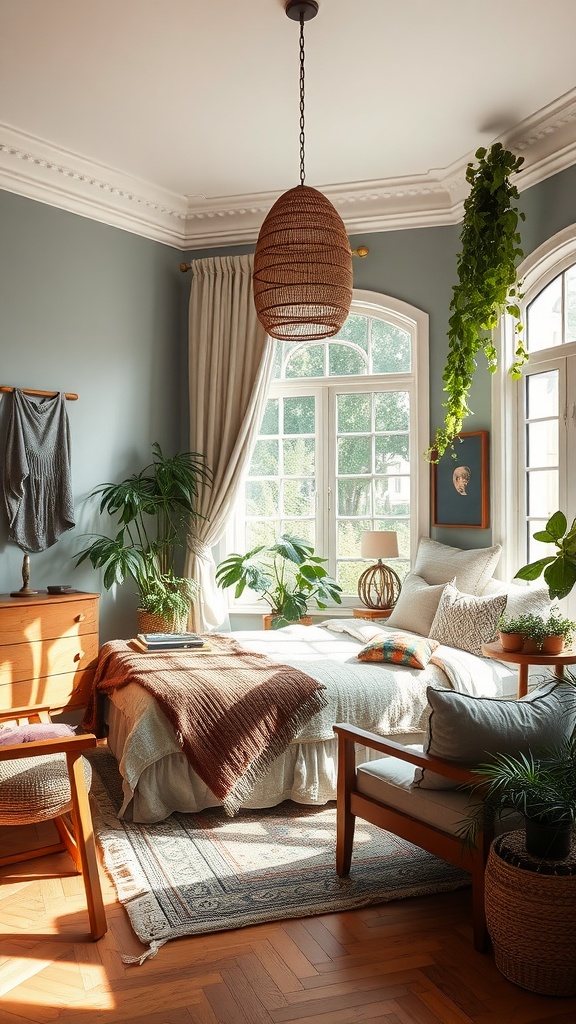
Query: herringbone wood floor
pixel 410 962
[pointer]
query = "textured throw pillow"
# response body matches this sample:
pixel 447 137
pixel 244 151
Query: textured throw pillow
pixel 468 729
pixel 416 606
pixel 465 621
pixel 10 734
pixel 400 649
pixel 470 570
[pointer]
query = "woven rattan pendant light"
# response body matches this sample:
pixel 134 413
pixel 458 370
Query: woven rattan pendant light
pixel 302 262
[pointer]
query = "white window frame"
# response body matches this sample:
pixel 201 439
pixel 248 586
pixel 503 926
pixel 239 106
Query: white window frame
pixel 549 260
pixel 416 322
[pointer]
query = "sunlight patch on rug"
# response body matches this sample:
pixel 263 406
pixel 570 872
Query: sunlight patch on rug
pixel 206 872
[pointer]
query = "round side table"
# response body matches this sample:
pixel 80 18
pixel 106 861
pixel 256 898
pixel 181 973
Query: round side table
pixel 525 659
pixel 371 613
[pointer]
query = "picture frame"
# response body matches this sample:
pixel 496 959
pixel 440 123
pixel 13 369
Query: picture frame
pixel 462 499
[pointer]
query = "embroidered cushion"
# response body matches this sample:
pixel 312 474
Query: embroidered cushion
pixel 400 649
pixel 467 622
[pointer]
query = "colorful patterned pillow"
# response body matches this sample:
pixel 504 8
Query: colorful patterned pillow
pixel 400 649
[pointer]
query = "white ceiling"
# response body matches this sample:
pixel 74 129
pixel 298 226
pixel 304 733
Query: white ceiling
pixel 178 119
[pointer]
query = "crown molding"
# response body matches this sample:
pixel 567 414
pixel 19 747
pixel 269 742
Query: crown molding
pixel 33 168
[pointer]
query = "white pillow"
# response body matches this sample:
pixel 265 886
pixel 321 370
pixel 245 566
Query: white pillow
pixel 465 621
pixel 467 729
pixel 523 600
pixel 416 606
pixel 470 570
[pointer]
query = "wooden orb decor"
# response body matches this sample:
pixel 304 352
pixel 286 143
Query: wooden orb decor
pixel 379 586
pixel 302 268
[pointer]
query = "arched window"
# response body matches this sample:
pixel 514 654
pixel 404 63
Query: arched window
pixel 340 448
pixel 536 416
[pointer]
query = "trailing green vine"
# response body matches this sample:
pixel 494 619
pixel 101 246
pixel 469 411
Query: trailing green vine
pixel 487 284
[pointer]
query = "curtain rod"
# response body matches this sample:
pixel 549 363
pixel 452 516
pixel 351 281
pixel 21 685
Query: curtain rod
pixel 32 391
pixel 361 251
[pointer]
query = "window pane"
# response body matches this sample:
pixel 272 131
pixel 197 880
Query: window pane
pixel 354 497
pixel 542 493
pixel 345 360
pixel 354 413
pixel 354 455
pixel 570 305
pixel 348 575
pixel 270 421
pixel 544 318
pixel 262 498
pixel 299 456
pixel 392 453
pixel 299 415
pixel 392 497
pixel 265 459
pixel 542 443
pixel 392 410
pixel 536 549
pixel 349 534
pixel 542 394
pixel 354 329
pixel 303 528
pixel 391 348
pixel 298 498
pixel 306 361
pixel 260 532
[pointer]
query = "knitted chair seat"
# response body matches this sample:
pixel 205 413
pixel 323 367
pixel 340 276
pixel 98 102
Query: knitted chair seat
pixel 36 789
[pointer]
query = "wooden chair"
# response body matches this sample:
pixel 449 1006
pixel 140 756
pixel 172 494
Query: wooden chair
pixel 381 792
pixel 48 779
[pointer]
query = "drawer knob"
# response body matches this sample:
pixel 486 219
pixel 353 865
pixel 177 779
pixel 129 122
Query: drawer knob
pixel 79 618
pixel 79 656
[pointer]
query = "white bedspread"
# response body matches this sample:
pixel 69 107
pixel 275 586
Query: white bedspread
pixel 383 698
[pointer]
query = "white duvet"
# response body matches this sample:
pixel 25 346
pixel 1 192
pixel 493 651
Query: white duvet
pixel 383 698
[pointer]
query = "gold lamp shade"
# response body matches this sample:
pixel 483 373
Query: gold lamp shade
pixel 302 268
pixel 379 586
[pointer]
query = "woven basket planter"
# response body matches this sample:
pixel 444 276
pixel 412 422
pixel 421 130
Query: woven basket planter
pixel 530 917
pixel 149 623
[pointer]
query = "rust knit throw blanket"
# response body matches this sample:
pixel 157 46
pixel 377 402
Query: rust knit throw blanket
pixel 234 711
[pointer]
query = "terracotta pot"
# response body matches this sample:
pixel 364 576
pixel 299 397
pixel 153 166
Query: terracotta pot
pixel 267 621
pixel 531 647
pixel 511 641
pixel 553 645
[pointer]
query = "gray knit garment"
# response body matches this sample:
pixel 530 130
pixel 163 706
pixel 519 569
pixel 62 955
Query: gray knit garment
pixel 37 484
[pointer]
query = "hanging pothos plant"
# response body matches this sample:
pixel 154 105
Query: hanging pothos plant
pixel 487 284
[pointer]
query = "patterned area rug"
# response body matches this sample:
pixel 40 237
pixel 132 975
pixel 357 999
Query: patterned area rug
pixel 198 873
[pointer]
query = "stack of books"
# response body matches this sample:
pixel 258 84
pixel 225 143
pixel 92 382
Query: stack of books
pixel 170 642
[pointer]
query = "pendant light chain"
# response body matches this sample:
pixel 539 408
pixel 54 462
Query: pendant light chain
pixel 302 173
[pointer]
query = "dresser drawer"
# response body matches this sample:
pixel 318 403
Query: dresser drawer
pixel 38 660
pixel 47 619
pixel 63 692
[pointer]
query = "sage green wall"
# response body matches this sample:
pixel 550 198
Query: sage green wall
pixel 98 311
pixel 89 308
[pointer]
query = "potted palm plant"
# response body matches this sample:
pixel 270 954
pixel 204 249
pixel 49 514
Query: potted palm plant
pixel 286 575
pixel 154 510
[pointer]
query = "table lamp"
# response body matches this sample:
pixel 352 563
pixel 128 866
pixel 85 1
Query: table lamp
pixel 379 586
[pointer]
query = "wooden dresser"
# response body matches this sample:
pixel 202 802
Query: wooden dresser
pixel 48 649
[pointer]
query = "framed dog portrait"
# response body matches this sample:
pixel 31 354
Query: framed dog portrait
pixel 461 484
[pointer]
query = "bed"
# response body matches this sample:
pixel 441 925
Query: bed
pixel 388 699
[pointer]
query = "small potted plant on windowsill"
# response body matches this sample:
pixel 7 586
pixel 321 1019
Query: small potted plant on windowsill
pixel 286 575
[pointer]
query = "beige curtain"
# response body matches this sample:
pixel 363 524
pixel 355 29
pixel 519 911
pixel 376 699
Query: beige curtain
pixel 230 367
